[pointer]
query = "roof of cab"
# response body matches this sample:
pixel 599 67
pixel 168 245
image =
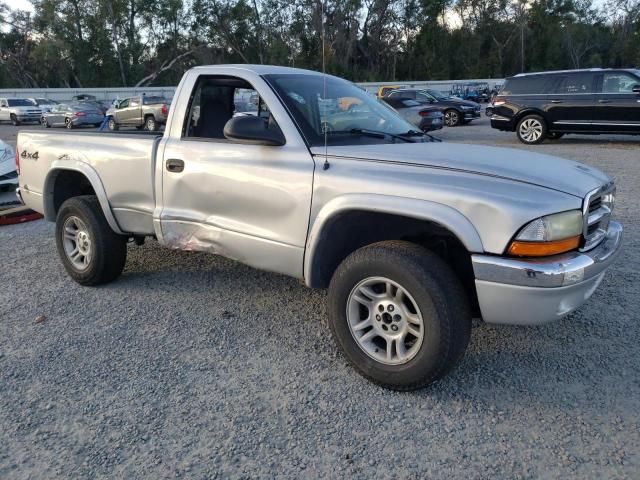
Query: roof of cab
pixel 261 69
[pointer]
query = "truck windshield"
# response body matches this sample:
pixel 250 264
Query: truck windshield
pixel 324 104
pixel 20 102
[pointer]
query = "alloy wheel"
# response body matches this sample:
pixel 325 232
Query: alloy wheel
pixel 385 321
pixel 530 130
pixel 76 241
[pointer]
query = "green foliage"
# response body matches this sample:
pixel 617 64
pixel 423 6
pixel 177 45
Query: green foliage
pixel 83 43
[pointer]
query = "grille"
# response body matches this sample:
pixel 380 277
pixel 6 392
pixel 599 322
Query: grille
pixel 597 208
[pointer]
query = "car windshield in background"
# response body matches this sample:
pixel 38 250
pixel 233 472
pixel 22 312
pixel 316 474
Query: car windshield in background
pixel 20 102
pixel 323 104
pixel 438 94
pixel 153 100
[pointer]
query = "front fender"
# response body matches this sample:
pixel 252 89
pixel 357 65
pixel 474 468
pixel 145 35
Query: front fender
pixel 448 217
pixel 68 163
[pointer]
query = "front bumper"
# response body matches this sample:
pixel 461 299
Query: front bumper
pixel 533 291
pixel 24 118
pixel 471 114
pixel 501 123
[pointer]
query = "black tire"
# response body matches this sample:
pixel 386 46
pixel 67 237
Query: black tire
pixel 68 123
pixel 534 136
pixel 45 123
pixel 555 136
pixel 150 123
pixel 452 117
pixel 437 293
pixel 109 250
pixel 14 120
pixel 112 125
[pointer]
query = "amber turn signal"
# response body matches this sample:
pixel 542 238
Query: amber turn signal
pixel 543 249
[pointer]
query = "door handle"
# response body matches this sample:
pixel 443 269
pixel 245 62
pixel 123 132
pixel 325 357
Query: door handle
pixel 174 165
pixel 604 101
pixel 556 101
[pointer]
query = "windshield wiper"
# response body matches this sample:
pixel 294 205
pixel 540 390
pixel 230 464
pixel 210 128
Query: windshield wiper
pixel 415 133
pixel 370 133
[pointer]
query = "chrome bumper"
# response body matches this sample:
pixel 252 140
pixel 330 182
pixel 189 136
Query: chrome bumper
pixel 532 291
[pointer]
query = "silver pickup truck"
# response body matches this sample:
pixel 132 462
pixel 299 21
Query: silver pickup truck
pixel 412 238
pixel 146 111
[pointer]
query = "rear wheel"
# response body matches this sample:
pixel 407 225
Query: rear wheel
pixel 399 314
pixel 90 251
pixel 150 124
pixel 44 122
pixel 531 130
pixel 68 123
pixel 451 118
pixel 14 120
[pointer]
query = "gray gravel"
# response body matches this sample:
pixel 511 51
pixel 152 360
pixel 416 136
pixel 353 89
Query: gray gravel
pixel 193 366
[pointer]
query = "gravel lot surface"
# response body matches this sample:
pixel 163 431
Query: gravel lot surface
pixel 193 366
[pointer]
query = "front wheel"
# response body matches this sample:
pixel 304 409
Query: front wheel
pixel 399 314
pixel 451 118
pixel 112 124
pixel 531 130
pixel 90 251
pixel 14 120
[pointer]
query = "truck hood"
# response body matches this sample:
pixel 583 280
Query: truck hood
pixel 521 166
pixel 25 109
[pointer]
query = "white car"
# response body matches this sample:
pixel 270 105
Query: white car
pixel 19 110
pixel 8 174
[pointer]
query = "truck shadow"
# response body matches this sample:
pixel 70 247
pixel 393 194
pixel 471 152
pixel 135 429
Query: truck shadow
pixel 582 360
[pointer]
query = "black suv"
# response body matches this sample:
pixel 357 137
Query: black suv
pixel 549 104
pixel 455 110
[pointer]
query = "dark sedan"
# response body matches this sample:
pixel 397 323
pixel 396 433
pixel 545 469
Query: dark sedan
pixel 72 116
pixel 456 111
pixel 425 117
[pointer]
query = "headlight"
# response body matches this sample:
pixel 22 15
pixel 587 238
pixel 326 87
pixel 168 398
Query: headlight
pixel 548 235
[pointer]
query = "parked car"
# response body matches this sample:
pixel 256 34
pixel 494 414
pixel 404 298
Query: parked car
pixel 386 89
pixel 19 110
pixel 426 117
pixel 412 238
pixel 8 174
pixel 45 104
pixel 146 111
pixel 72 116
pixel 548 105
pixel 456 111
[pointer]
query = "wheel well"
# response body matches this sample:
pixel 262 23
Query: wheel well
pixel 349 231
pixel 65 185
pixel 525 113
pixel 149 115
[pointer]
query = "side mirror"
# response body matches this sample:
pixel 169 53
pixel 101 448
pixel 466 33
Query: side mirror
pixel 636 89
pixel 252 130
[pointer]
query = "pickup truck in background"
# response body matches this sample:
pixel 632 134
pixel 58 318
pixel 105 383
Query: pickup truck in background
pixel 412 238
pixel 19 110
pixel 146 111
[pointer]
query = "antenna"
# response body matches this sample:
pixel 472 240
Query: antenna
pixel 326 165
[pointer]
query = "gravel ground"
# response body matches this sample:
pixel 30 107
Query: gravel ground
pixel 193 366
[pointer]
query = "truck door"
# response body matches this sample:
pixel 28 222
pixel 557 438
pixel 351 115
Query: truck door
pixel 248 202
pixel 134 112
pixel 617 106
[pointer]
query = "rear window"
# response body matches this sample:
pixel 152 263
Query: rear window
pixel 153 100
pixel 529 85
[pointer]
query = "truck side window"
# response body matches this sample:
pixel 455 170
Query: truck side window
pixel 124 103
pixel 217 99
pixel 618 83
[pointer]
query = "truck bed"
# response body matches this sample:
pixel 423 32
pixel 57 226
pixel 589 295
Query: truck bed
pixel 124 164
